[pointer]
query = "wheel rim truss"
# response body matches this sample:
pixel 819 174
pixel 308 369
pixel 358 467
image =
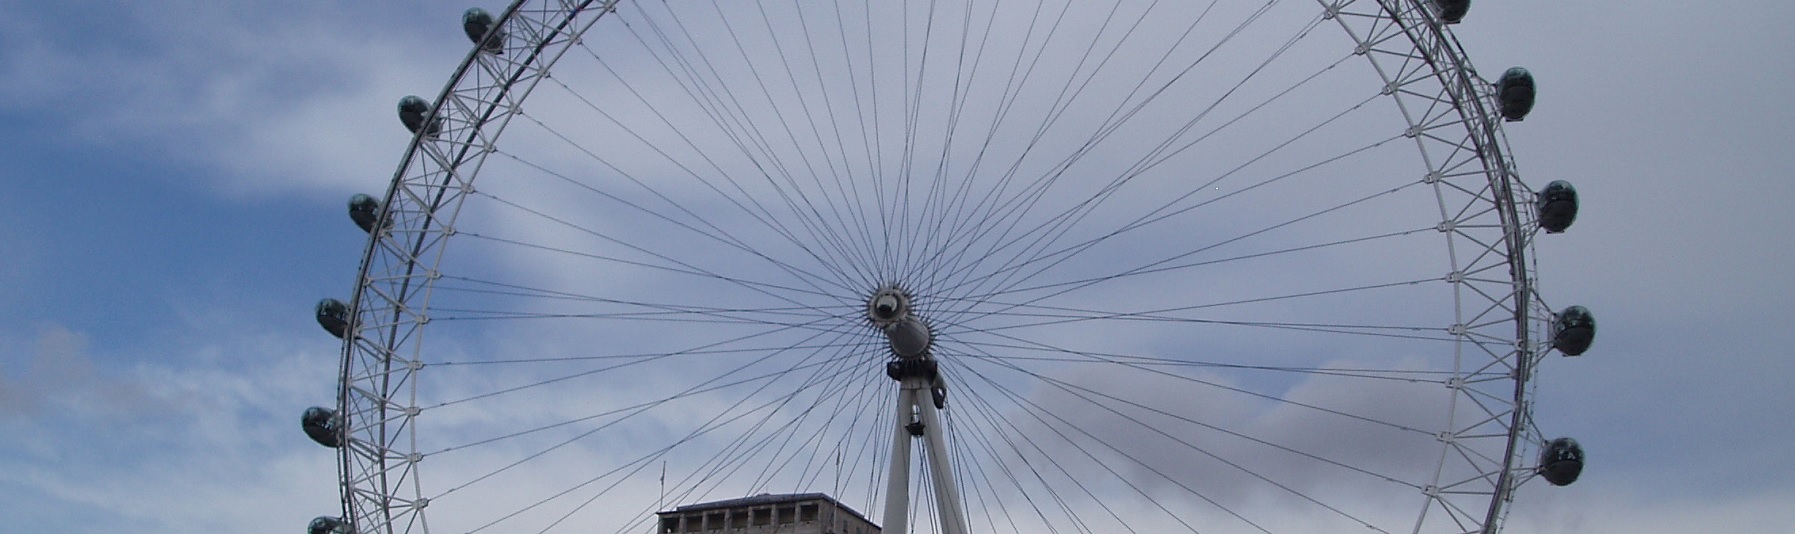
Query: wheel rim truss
pixel 382 357
pixel 1448 109
pixel 1445 103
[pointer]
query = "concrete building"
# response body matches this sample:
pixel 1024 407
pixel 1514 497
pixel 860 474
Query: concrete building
pixel 796 513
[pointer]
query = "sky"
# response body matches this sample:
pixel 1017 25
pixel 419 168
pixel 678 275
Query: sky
pixel 176 174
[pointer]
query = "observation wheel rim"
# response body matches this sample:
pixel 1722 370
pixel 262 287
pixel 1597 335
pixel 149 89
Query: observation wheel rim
pixel 385 325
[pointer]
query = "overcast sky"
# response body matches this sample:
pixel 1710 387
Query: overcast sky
pixel 175 176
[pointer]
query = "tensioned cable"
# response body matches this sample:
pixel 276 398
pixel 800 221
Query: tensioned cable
pixel 1257 255
pixel 1015 269
pixel 1161 372
pixel 641 308
pixel 1088 205
pixel 627 364
pixel 1030 409
pixel 963 85
pixel 736 465
pixel 639 355
pixel 908 231
pixel 1399 375
pixel 689 84
pixel 1255 300
pixel 852 199
pixel 632 412
pixel 815 220
pixel 1055 315
pixel 738 451
pixel 959 203
pixel 631 408
pixel 1017 78
pixel 1011 473
pixel 991 415
pixel 810 117
pixel 684 317
pixel 864 257
pixel 831 232
pixel 765 478
pixel 1009 434
pixel 1061 288
pixel 761 287
pixel 514 289
pixel 1300 248
pixel 1041 185
pixel 1057 464
pixel 864 406
pixel 715 233
pixel 1218 129
pixel 1012 271
pixel 640 464
pixel 644 461
pixel 1069 388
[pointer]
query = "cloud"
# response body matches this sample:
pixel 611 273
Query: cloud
pixel 259 102
pixel 176 441
pixel 54 373
pixel 1620 508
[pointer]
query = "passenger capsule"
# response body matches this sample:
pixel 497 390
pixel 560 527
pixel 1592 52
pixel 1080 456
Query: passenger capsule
pixel 412 110
pixel 333 315
pixel 320 424
pixel 1561 461
pixel 327 525
pixel 365 211
pixel 1573 330
pixel 483 31
pixel 1452 11
pixel 1514 93
pixel 1557 205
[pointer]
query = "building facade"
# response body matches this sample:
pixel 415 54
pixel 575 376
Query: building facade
pixel 796 513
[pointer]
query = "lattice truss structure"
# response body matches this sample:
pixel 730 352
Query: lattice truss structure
pixel 1485 219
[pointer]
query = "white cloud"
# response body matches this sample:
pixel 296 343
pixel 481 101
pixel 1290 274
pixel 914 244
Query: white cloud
pixel 175 442
pixel 1611 508
pixel 261 102
pixel 53 374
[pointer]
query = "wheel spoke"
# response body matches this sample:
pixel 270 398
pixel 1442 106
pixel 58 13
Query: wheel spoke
pixel 1125 267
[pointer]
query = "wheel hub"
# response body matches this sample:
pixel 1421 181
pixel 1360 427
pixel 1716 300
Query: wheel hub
pixel 889 310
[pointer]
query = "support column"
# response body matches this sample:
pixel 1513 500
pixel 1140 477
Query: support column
pixel 947 494
pixel 914 368
pixel 917 418
pixel 897 479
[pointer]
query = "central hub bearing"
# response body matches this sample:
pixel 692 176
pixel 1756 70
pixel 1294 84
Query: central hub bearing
pixel 889 310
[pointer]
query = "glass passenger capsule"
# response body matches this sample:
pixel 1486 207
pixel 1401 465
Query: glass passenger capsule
pixel 1514 93
pixel 1561 461
pixel 365 211
pixel 327 525
pixel 1573 330
pixel 1557 206
pixel 412 110
pixel 1452 11
pixel 333 315
pixel 320 424
pixel 482 30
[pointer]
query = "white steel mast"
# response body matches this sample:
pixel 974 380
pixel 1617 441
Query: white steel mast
pixel 918 417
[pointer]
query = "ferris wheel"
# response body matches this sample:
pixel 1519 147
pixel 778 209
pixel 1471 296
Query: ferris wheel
pixel 991 266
